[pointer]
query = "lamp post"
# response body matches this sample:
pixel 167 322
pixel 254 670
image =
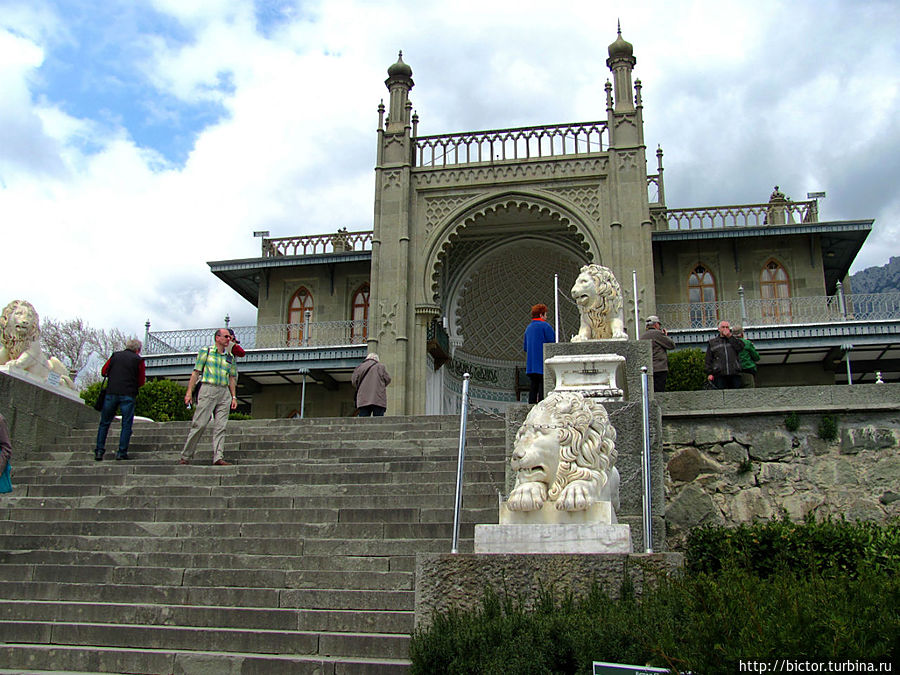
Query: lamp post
pixel 303 373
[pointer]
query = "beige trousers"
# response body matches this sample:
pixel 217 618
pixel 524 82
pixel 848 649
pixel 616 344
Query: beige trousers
pixel 213 405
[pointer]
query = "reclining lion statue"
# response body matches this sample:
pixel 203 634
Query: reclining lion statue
pixel 20 343
pixel 599 299
pixel 565 454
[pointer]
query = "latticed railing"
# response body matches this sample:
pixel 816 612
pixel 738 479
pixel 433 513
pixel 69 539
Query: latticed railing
pixel 272 336
pixel 558 140
pixel 746 215
pixel 339 242
pixel 781 311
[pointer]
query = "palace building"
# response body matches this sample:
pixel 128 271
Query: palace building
pixel 473 228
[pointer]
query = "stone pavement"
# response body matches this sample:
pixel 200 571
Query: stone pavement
pixel 299 558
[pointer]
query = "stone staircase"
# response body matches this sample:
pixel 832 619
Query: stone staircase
pixel 299 558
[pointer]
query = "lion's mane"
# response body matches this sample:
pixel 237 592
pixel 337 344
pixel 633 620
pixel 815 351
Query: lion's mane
pixel 587 440
pixel 608 303
pixel 16 345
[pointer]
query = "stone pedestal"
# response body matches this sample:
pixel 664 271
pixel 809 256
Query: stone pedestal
pixel 55 386
pixel 553 538
pixel 594 374
pixel 599 512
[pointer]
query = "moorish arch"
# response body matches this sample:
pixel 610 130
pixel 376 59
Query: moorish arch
pixel 467 234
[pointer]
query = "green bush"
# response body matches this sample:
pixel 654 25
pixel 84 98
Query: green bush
pixel 158 400
pixel 828 427
pixel 239 416
pixel 687 370
pixel 792 422
pixel 700 623
pixel 826 547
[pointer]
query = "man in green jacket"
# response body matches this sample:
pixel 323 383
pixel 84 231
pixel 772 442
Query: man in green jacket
pixel 749 356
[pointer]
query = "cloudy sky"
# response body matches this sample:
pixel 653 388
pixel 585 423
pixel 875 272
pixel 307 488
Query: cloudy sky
pixel 140 139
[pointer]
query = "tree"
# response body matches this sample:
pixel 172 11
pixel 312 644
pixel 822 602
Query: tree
pixel 74 342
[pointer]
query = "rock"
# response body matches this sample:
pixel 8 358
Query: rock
pixel 854 440
pixel 686 465
pixel 734 452
pixel 692 507
pixel 751 504
pixel 770 445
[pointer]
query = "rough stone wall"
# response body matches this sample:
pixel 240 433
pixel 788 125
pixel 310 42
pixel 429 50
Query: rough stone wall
pixel 738 468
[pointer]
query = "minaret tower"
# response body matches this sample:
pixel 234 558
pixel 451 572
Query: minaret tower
pixel 630 226
pixel 390 319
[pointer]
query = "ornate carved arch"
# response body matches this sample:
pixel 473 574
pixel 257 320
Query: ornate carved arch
pixel 445 235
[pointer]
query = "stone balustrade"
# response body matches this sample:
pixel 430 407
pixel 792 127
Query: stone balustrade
pixel 744 215
pixel 558 140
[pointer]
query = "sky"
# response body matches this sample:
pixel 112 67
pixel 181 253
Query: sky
pixel 140 139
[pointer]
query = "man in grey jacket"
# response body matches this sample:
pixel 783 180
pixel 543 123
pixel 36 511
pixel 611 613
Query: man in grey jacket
pixel 662 343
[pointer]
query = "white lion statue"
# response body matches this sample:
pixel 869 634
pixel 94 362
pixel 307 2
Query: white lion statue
pixel 599 299
pixel 565 452
pixel 20 343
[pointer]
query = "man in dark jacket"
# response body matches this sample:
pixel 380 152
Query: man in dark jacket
pixel 126 373
pixel 5 445
pixel 723 361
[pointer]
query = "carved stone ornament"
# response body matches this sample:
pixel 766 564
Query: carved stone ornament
pixel 599 299
pixel 20 345
pixel 564 455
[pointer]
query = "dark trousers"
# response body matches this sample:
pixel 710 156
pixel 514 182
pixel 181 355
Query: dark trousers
pixel 727 381
pixel 536 391
pixel 371 411
pixel 659 381
pixel 111 403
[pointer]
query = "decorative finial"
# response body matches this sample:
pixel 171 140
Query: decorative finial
pixel 619 24
pixel 400 57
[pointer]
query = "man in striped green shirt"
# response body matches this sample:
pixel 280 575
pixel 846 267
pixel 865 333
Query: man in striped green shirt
pixel 216 371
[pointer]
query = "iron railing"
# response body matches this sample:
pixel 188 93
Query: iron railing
pixel 782 311
pixel 272 336
pixel 557 140
pixel 745 215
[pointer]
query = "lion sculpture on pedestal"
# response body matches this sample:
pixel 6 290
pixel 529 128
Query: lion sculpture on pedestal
pixel 565 453
pixel 599 299
pixel 20 343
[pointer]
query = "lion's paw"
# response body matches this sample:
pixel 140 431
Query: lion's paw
pixel 576 496
pixel 527 497
pixel 579 338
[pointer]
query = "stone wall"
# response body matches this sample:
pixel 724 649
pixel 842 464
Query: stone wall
pixel 38 415
pixel 730 459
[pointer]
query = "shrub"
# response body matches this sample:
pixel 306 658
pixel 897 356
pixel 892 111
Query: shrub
pixel 831 547
pixel 792 422
pixel 828 427
pixel 239 416
pixel 687 370
pixel 701 623
pixel 159 400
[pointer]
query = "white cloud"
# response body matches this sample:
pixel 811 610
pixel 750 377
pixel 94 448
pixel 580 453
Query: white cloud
pixel 740 96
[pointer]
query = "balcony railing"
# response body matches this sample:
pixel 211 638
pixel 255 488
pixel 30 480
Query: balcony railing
pixel 558 140
pixel 273 336
pixel 746 215
pixel 781 311
pixel 339 242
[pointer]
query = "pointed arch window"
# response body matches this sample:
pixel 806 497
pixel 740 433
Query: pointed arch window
pixel 704 310
pixel 359 315
pixel 775 290
pixel 301 302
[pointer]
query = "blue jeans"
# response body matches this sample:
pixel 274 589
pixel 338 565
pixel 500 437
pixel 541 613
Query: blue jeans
pixel 112 403
pixel 371 411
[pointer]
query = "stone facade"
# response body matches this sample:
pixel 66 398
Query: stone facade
pixel 740 464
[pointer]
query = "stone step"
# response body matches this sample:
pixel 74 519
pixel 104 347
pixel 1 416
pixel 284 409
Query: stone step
pixel 185 487
pixel 330 620
pixel 300 598
pixel 383 645
pixel 133 502
pixel 251 545
pixel 91 659
pixel 175 576
pixel 209 560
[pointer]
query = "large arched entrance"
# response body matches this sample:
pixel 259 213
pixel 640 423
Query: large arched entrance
pixel 491 273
